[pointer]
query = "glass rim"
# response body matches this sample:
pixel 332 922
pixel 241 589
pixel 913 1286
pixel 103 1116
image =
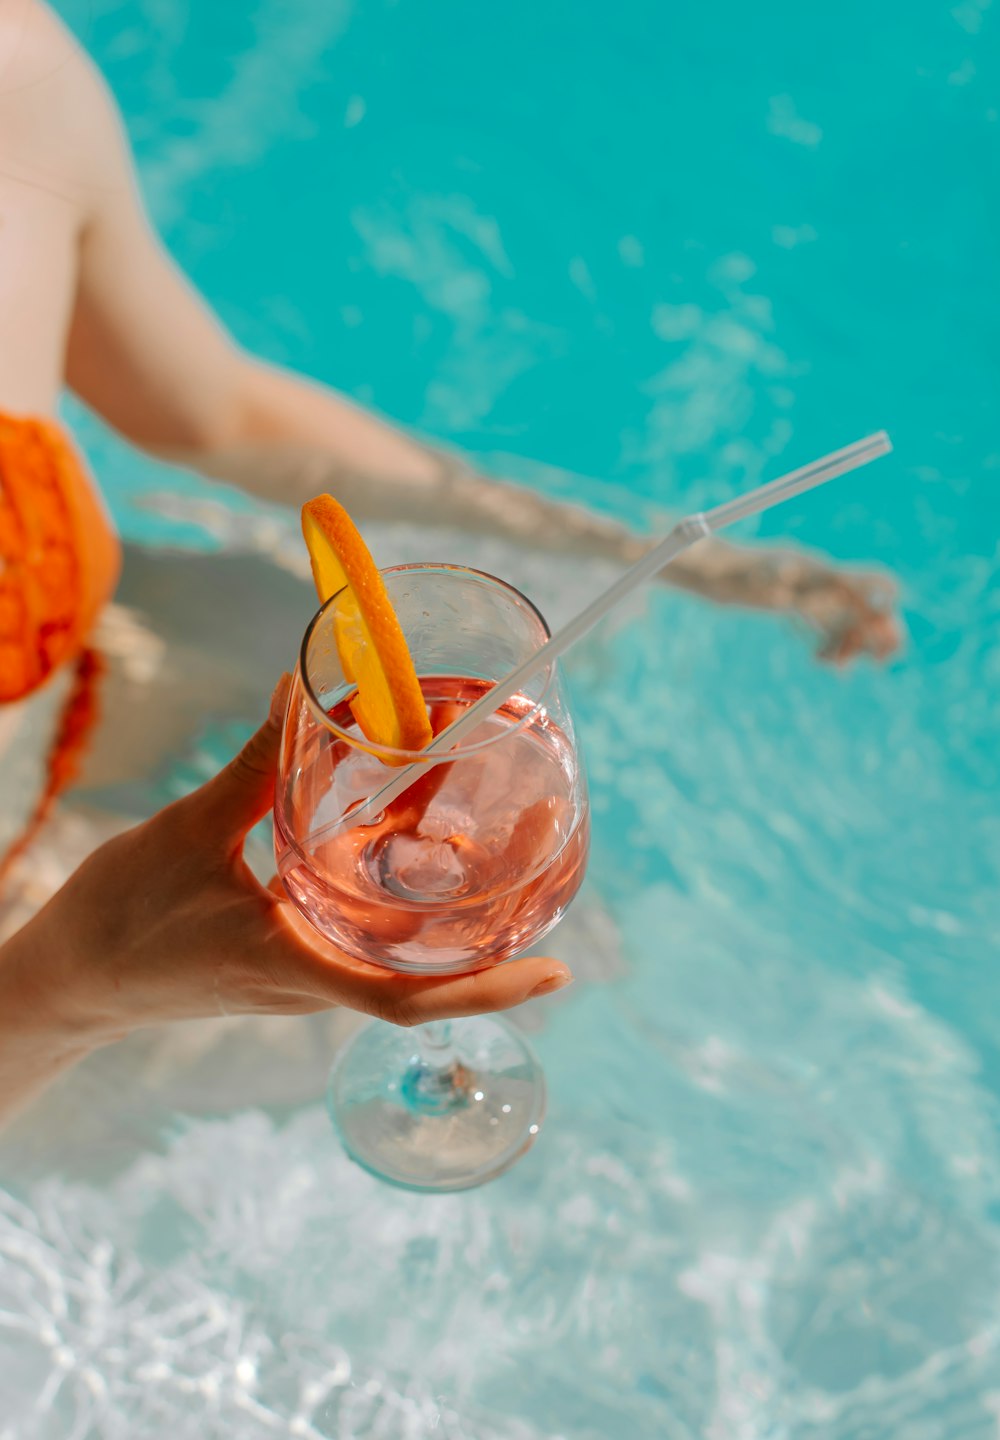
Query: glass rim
pixel 398 756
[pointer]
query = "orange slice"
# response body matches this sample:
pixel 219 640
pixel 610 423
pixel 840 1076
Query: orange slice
pixel 389 706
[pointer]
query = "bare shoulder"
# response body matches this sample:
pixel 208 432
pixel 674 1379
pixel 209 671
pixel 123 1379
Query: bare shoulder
pixel 57 116
pixel 32 40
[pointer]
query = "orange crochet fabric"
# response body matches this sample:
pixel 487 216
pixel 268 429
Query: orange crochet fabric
pixel 59 563
pixel 59 557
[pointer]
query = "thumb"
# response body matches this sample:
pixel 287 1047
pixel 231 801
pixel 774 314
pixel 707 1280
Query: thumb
pixel 243 792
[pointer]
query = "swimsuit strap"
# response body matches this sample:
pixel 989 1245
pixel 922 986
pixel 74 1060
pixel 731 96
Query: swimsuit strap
pixel 80 713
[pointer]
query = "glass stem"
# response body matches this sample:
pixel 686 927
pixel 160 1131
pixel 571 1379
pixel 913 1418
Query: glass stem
pixel 435 1043
pixel 436 1080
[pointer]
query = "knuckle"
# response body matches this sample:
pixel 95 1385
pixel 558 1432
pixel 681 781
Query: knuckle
pixel 251 763
pixel 397 1012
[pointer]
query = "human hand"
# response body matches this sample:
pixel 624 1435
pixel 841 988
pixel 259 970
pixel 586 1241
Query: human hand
pixel 851 610
pixel 167 922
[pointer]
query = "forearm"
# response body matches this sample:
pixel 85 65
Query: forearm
pixel 273 411
pixel 762 578
pixel 38 1042
pixel 447 492
pixel 294 439
pixel 285 439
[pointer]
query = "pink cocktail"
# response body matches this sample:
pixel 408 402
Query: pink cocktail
pixel 470 865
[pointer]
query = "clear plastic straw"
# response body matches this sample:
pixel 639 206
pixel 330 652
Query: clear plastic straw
pixel 685 533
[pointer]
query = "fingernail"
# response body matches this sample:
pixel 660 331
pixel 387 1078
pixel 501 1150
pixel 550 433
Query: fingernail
pixel 558 980
pixel 279 698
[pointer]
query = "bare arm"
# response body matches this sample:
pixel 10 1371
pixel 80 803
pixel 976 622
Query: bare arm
pixel 37 1041
pixel 146 352
pixel 851 612
pixel 189 933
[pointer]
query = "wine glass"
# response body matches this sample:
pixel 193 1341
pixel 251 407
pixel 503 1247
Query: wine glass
pixel 475 861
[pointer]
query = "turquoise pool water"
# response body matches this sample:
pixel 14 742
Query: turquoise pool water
pixel 678 249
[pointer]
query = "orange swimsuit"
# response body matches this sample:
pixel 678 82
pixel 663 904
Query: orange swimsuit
pixel 59 563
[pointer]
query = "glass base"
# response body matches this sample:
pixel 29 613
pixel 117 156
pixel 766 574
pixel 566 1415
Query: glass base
pixel 437 1107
